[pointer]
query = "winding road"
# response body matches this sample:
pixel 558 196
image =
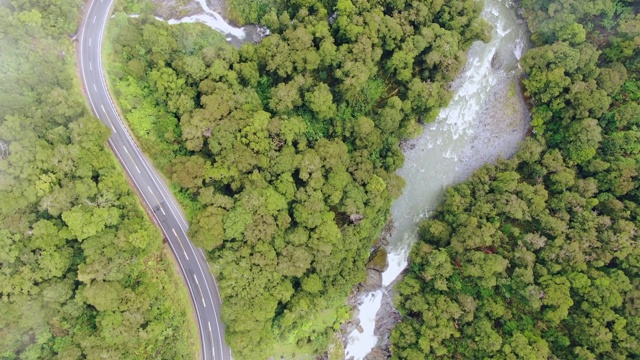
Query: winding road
pixel 195 270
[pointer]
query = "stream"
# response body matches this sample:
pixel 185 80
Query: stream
pixel 214 20
pixel 213 17
pixel 485 120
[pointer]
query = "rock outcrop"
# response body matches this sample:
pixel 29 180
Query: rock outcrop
pixel 378 260
pixel 373 281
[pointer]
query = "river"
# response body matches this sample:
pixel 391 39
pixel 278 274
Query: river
pixel 485 120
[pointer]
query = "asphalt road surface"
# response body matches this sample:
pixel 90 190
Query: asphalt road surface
pixel 195 270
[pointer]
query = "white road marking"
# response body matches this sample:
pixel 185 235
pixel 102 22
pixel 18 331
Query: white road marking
pixel 90 41
pixel 154 196
pixel 201 293
pixel 108 118
pixel 94 19
pixel 206 284
pixel 95 88
pixel 90 66
pixel 180 242
pixel 213 348
pixel 131 157
pixel 177 214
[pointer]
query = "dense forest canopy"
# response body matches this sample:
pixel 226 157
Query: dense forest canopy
pixel 537 257
pixel 284 152
pixel 82 271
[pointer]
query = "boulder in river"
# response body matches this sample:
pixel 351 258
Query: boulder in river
pixel 386 318
pixel 349 326
pixel 4 150
pixel 356 218
pixel 496 61
pixel 373 280
pixel 379 260
pixel 355 312
pixel 378 354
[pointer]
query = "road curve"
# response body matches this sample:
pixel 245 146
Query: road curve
pixel 195 270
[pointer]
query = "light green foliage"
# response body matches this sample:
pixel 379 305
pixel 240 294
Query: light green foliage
pixel 82 274
pixel 535 257
pixel 320 101
pixel 282 145
pixel 84 221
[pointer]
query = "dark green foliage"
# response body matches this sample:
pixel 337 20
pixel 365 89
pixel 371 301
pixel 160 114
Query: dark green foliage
pixel 82 272
pixel 243 12
pixel 286 142
pixel 536 257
